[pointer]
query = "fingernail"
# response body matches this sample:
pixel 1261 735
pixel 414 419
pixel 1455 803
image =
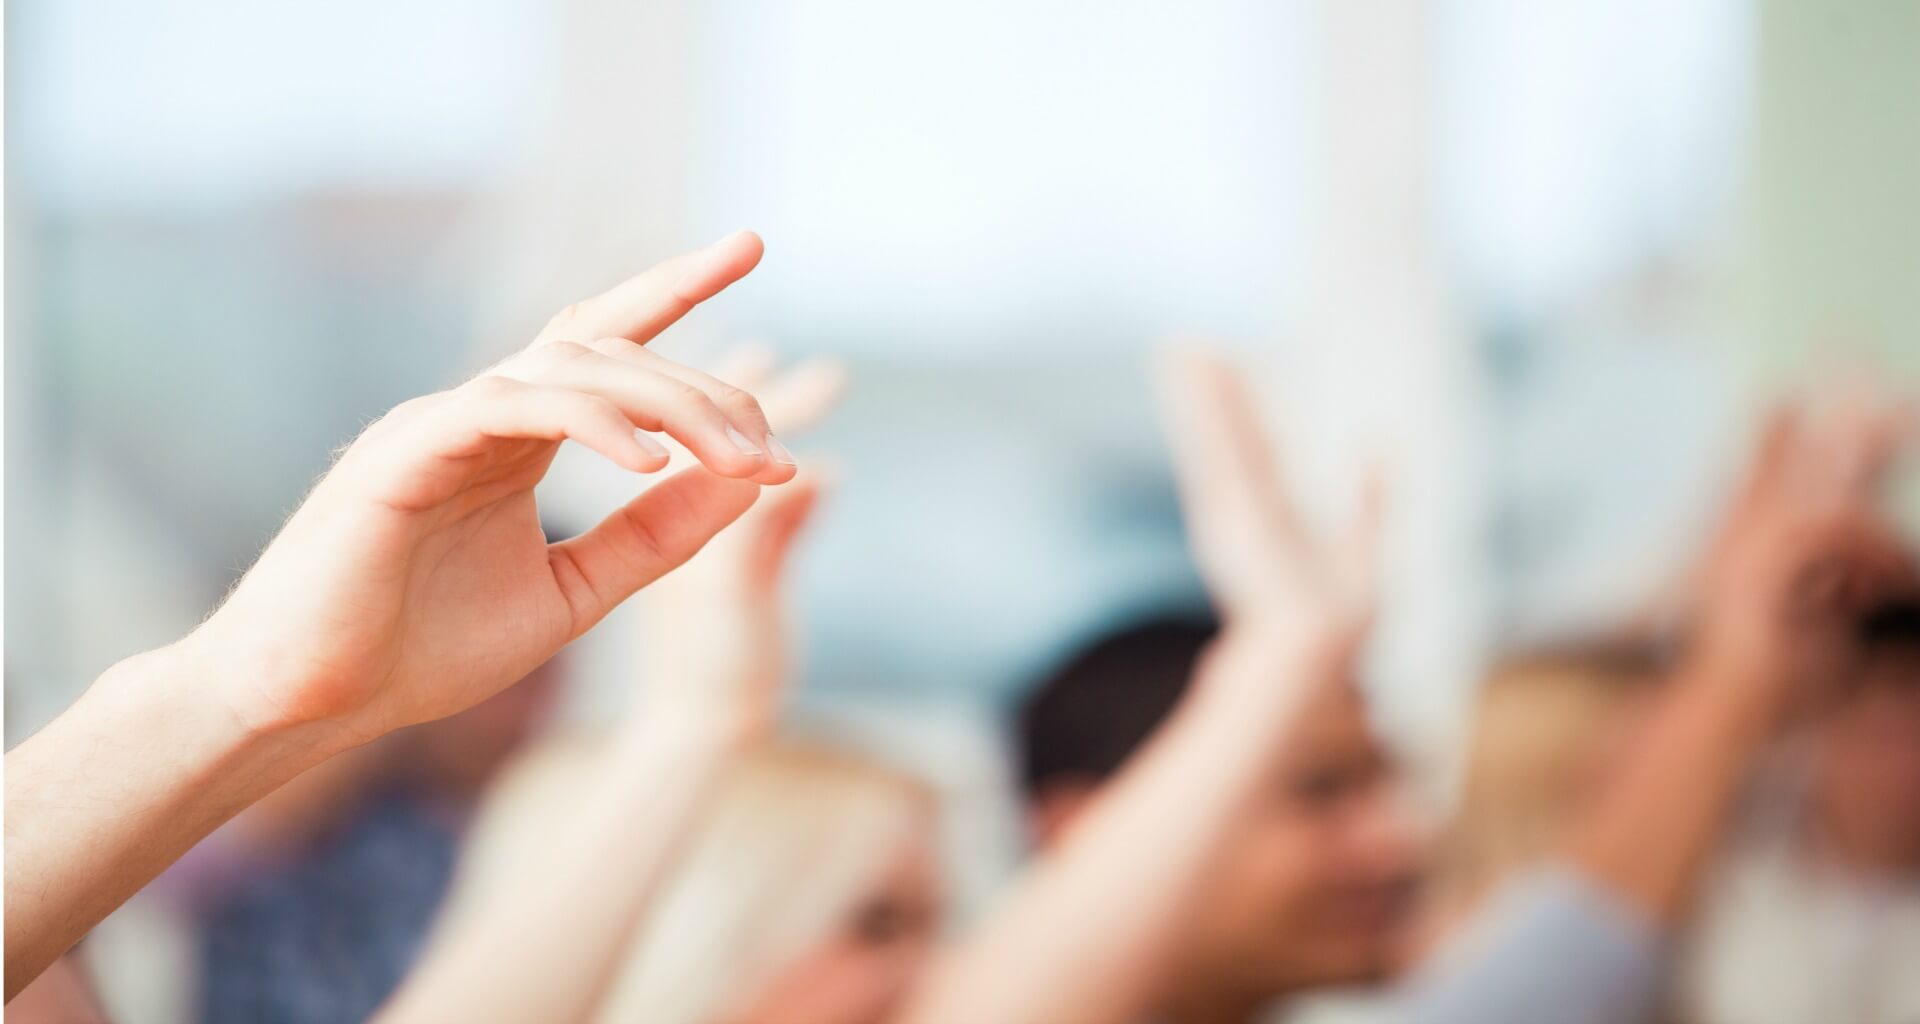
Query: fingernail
pixel 740 441
pixel 650 444
pixel 779 451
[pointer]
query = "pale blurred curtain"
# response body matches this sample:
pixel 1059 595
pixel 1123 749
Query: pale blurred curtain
pixel 603 190
pixel 1587 152
pixel 1825 250
pixel 1381 372
pixel 601 194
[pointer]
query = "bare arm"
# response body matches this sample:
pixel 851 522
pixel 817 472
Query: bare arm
pixel 544 947
pixel 412 583
pixel 1084 935
pixel 1659 818
pixel 118 787
pixel 1804 553
pixel 1800 555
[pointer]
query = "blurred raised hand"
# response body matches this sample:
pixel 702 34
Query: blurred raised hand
pixel 1803 553
pixel 1091 931
pixel 1261 563
pixel 1806 549
pixel 713 668
pixel 716 642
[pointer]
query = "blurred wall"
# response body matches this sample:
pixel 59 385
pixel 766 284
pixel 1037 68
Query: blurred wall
pixel 1825 258
pixel 1490 240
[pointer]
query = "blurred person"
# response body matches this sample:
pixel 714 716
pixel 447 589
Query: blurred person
pixel 1548 728
pixel 1250 846
pixel 413 583
pixel 1317 881
pixel 691 865
pixel 1103 927
pixel 1814 911
pixel 807 891
pixel 1805 555
pixel 812 895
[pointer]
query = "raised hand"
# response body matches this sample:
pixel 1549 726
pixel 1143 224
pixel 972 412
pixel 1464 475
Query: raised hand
pixel 1294 610
pixel 712 674
pixel 716 630
pixel 1805 551
pixel 1259 561
pixel 415 580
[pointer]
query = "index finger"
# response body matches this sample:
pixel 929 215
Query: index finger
pixel 641 307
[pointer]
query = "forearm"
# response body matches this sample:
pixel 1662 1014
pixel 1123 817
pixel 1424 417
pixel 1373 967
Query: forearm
pixel 544 947
pixel 1086 934
pixel 99 802
pixel 1585 946
pixel 1660 816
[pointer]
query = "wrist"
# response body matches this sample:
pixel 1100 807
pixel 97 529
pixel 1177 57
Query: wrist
pixel 227 701
pixel 272 689
pixel 1291 646
pixel 1261 667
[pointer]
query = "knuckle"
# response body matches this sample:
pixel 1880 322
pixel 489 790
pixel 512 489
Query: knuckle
pixel 555 358
pixel 679 392
pixel 490 386
pixel 738 401
pixel 563 351
pixel 601 408
pixel 695 404
pixel 613 346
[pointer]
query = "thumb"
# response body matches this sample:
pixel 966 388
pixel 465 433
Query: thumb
pixel 653 534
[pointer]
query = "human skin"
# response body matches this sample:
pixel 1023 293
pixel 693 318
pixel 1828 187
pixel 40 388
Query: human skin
pixel 1806 549
pixel 1093 930
pixel 413 582
pixel 548 947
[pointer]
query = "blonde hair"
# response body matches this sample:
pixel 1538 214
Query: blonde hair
pixel 794 839
pixel 1539 728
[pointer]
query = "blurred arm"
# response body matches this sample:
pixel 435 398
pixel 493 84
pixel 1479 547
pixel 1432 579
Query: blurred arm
pixel 1803 555
pixel 1582 943
pixel 1086 935
pixel 1659 818
pixel 545 947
